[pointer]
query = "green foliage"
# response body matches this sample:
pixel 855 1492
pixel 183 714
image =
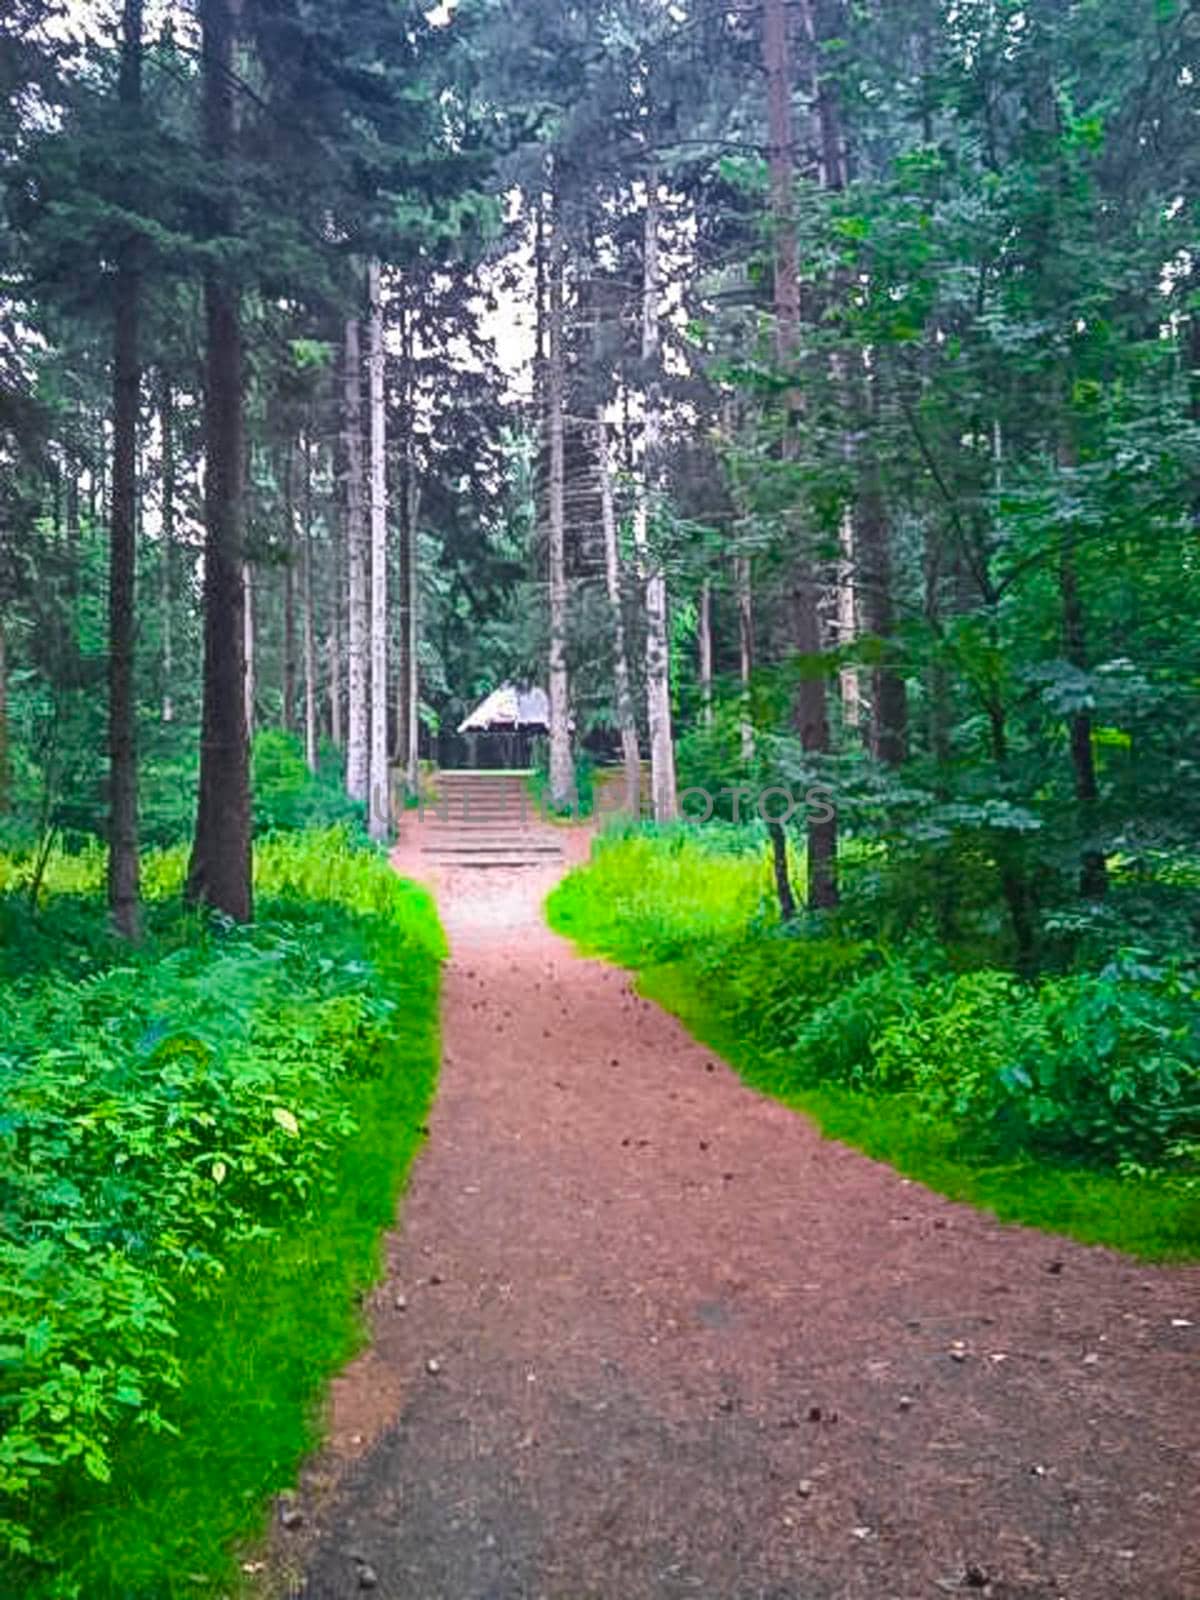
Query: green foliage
pixel 649 895
pixel 166 1109
pixel 585 784
pixel 1092 1071
pixel 288 796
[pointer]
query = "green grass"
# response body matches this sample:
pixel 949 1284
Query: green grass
pixel 257 1347
pixel 649 895
pixel 664 906
pixel 1142 1219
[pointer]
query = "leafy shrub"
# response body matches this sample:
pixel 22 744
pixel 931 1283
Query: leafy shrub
pixel 287 796
pixel 160 1112
pixel 1112 1070
pixel 771 984
pixel 1096 1067
pixel 953 1042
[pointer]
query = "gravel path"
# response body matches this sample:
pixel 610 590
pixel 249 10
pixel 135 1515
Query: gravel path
pixel 645 1334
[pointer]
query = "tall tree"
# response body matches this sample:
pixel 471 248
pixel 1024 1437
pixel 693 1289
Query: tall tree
pixel 631 759
pixel 166 593
pixel 562 764
pixel 811 710
pixel 219 874
pixel 378 810
pixel 357 565
pixel 127 375
pixel 309 618
pixel 658 639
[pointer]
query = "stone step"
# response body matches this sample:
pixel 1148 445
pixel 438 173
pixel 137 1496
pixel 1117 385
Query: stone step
pixel 482 836
pixel 469 852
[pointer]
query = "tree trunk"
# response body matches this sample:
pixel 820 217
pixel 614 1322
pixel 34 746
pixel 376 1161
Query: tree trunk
pixel 334 641
pixel 783 880
pixel 5 795
pixel 811 710
pixel 122 569
pixel 1093 868
pixel 379 799
pixel 704 628
pixel 357 732
pixel 289 589
pixel 250 680
pixel 310 621
pixel 408 677
pixel 889 698
pixel 412 707
pixel 847 620
pixel 220 871
pixel 658 647
pixel 562 766
pixel 166 574
pixel 631 759
pixel 745 610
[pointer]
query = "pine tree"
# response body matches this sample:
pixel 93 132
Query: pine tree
pixel 219 874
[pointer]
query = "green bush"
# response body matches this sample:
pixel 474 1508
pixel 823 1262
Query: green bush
pixel 186 1099
pixel 287 796
pixel 1094 1068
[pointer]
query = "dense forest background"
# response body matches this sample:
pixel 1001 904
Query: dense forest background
pixel 805 394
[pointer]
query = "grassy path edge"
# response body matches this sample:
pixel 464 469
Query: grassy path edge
pixel 1095 1208
pixel 1143 1220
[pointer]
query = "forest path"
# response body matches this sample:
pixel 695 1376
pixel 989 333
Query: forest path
pixel 645 1334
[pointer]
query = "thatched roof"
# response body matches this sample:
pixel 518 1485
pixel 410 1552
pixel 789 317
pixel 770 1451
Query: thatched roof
pixel 507 709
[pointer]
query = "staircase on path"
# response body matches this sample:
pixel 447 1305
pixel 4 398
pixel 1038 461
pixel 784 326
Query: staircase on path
pixel 484 820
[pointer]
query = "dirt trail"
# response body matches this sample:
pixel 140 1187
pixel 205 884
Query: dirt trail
pixel 645 1334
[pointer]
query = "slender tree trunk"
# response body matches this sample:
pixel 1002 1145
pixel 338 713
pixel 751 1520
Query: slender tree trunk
pixel 334 647
pixel 379 801
pixel 847 615
pixel 889 698
pixel 412 709
pixel 289 589
pixel 220 871
pixel 357 732
pixel 334 642
pixel 631 759
pixel 706 654
pixel 408 678
pixel 783 879
pixel 248 646
pixel 1014 881
pixel 5 794
pixel 127 374
pixel 1093 868
pixel 73 497
pixel 310 621
pixel 811 711
pixel 562 765
pixel 658 646
pixel 166 567
pixel 742 583
pixel 403 585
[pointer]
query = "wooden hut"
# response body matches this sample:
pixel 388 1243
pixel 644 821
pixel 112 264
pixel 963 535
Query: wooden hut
pixel 501 730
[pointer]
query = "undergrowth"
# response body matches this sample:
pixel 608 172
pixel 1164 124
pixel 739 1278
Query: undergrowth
pixel 1072 1103
pixel 200 1143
